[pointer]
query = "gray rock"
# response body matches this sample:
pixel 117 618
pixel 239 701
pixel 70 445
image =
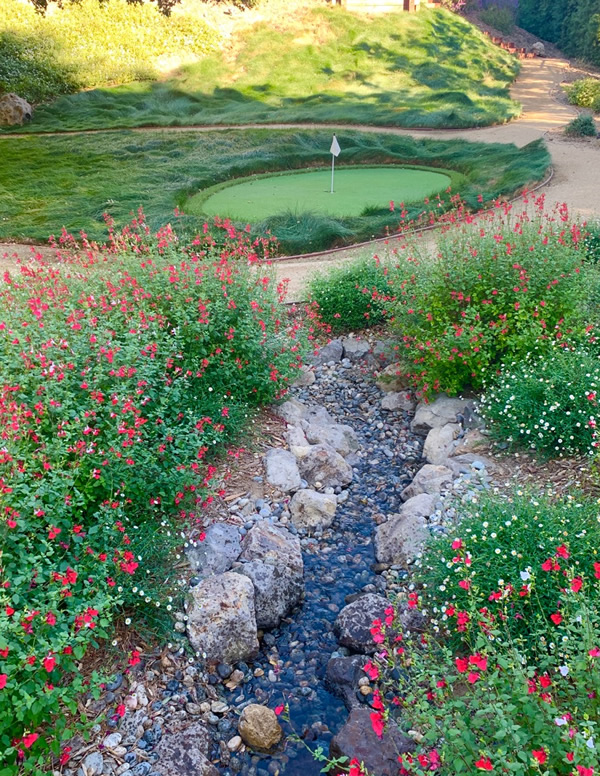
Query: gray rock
pixel 357 740
pixel 93 764
pixel 355 349
pixel 221 618
pixel 274 545
pixel 323 464
pixel 468 461
pixel 440 443
pixel 438 413
pixel 384 352
pixel 333 351
pixel 342 678
pixel 310 509
pixel 14 110
pixel 185 752
pixel 472 442
pixel 342 438
pixel 282 470
pixel 352 626
pixel 401 539
pixel 317 414
pixel 398 400
pixel 393 379
pixel 297 441
pixel 292 411
pixel 276 591
pixel 539 49
pixel 429 479
pixel 259 728
pixel 217 553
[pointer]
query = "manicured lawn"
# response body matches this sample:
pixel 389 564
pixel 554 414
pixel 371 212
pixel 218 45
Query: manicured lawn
pixel 50 182
pixel 430 69
pixel 355 188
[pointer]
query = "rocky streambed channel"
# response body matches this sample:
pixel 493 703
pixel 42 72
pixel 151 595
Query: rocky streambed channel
pixel 287 584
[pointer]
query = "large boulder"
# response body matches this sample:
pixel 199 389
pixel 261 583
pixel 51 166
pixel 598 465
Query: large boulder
pixel 305 377
pixel 440 443
pixel 355 349
pixel 353 624
pixel 292 411
pixel 311 510
pixel 277 590
pixel 398 400
pixel 185 752
pixel 342 438
pixel 272 559
pixel 259 728
pixel 297 441
pixel 429 479
pixel 472 442
pixel 221 618
pixel 14 110
pixel 438 413
pixel 357 740
pixel 323 464
pixel 333 351
pixel 401 539
pixel 218 552
pixel 539 49
pixel 282 470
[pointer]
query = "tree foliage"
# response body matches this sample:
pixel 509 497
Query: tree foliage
pixel 574 25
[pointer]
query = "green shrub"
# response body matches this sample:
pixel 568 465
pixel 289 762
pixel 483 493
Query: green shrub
pixel 547 402
pixel 500 18
pixel 498 286
pixel 582 126
pixel 585 92
pixel 591 242
pixel 91 43
pixel 124 370
pixel 351 297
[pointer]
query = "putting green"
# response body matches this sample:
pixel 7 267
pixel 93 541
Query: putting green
pixel 356 188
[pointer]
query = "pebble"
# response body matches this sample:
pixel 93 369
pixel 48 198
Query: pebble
pixel 234 743
pixel 218 707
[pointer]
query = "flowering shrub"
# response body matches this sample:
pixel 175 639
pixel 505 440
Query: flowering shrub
pixel 547 402
pixel 503 550
pixel 585 92
pixel 352 296
pixel 591 241
pixel 124 369
pixel 500 284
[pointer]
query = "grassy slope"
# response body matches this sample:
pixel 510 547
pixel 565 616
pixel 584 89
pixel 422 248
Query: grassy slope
pixel 48 182
pixel 429 69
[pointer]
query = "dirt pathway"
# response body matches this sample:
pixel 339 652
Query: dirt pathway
pixel 576 162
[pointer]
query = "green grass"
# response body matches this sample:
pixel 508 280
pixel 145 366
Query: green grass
pixel 355 189
pixel 48 182
pixel 431 69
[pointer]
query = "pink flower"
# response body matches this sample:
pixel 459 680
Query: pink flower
pixel 484 764
pixel 279 709
pixel 3 678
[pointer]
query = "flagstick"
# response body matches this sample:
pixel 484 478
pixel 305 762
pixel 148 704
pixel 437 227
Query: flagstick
pixel 332 169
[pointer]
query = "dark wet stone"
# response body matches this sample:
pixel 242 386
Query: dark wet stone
pixel 342 677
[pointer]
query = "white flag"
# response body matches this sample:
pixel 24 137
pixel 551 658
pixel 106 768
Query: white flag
pixel 335 147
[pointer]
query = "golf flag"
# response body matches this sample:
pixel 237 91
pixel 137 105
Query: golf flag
pixel 334 151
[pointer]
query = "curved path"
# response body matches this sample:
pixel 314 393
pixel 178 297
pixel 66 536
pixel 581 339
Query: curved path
pixel 576 162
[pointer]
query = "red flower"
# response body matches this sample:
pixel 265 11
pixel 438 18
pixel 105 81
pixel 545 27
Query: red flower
pixel 49 663
pixel 582 771
pixel 30 739
pixel 540 755
pixel 550 565
pixel 473 677
pixel 556 618
pixel 121 710
pixel 462 664
pixel 134 658
pixel 3 678
pixel 562 552
pixel 279 709
pixel 484 764
pixel 594 652
pixel 479 661
pixel 576 584
pixel 377 723
pixel 355 768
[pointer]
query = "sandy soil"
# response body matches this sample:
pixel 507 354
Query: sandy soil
pixel 576 162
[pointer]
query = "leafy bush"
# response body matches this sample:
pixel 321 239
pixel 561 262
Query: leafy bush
pixel 582 126
pixel 352 296
pixel 591 242
pixel 585 92
pixel 574 26
pixel 494 554
pixel 547 402
pixel 123 371
pixel 500 18
pixel 91 43
pixel 498 286
pixel 491 707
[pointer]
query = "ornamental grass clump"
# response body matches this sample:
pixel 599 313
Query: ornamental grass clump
pixel 499 285
pixel 125 369
pixel 548 402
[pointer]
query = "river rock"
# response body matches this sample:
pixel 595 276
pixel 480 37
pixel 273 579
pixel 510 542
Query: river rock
pixel 185 752
pixel 259 728
pixel 333 351
pixel 221 618
pixel 323 464
pixel 342 438
pixel 93 764
pixel 292 411
pixel 310 509
pixel 274 545
pixel 355 349
pixel 429 479
pixel 398 400
pixel 357 740
pixel 342 677
pixel 297 441
pixel 14 110
pixel 438 413
pixel 401 539
pixel 306 377
pixel 217 553
pixel 282 470
pixel 277 589
pixel 353 624
pixel 440 443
